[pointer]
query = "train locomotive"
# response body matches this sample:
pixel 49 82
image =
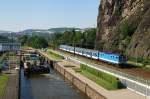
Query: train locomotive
pixel 94 54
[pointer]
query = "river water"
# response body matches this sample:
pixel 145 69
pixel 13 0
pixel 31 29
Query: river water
pixel 48 86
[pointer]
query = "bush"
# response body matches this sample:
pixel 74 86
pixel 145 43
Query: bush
pixel 126 29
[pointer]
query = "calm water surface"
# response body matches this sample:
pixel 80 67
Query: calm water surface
pixel 48 86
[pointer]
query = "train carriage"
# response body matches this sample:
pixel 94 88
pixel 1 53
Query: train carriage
pixel 108 57
pixel 88 53
pixel 67 49
pixel 112 58
pixel 72 49
pixel 104 56
pixel 95 54
pixel 64 47
pixel 61 47
pixel 78 51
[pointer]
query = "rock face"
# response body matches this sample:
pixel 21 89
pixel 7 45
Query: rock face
pixel 124 25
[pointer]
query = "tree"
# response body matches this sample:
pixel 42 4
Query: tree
pixel 75 38
pixel 23 39
pixel 127 29
pixel 89 37
pixel 34 41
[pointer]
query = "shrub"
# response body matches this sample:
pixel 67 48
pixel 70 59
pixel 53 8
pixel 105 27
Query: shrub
pixel 126 29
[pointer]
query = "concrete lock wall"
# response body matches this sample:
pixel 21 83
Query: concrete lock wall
pixel 80 84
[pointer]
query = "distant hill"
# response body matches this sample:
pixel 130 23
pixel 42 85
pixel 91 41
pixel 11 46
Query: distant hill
pixel 45 32
pixel 33 31
pixel 51 30
pixel 63 29
pixel 3 31
pixel 38 32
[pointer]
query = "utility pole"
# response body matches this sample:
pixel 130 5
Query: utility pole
pixel 136 56
pixel 10 44
pixel 73 31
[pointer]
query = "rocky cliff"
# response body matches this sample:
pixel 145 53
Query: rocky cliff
pixel 124 25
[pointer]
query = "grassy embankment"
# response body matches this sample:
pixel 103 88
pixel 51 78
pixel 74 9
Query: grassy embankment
pixel 105 80
pixel 3 83
pixel 140 63
pixel 54 55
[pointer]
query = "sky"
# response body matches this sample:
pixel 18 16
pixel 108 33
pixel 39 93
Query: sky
pixel 16 15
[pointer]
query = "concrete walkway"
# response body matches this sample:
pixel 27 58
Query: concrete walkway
pixel 12 86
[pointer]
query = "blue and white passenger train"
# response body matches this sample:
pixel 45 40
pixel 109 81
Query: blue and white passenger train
pixel 103 56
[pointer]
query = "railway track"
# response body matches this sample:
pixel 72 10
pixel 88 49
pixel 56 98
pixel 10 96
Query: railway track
pixel 136 74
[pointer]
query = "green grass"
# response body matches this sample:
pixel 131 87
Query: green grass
pixel 3 83
pixel 24 47
pixel 146 68
pixel 77 70
pixel 140 65
pixel 105 80
pixel 139 62
pixel 98 80
pixel 54 56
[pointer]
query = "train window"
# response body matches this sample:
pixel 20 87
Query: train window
pixel 95 54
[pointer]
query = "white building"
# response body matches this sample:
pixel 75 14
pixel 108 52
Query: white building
pixel 10 46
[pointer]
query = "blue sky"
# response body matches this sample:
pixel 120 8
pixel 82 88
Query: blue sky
pixel 16 15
